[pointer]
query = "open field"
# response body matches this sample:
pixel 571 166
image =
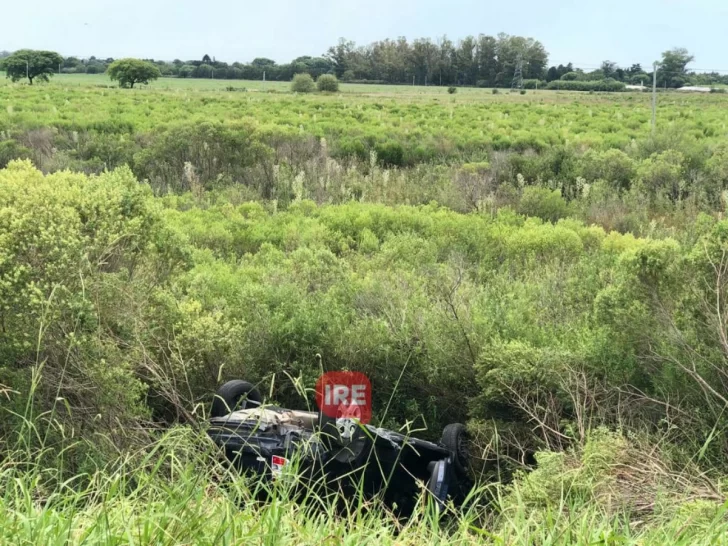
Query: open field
pixel 96 80
pixel 426 124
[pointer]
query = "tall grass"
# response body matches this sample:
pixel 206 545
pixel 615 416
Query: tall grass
pixel 179 490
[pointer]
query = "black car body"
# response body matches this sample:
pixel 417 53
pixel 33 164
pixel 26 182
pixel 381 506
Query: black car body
pixel 346 454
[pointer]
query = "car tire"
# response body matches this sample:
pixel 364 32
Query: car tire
pixel 455 438
pixel 235 395
pixel 354 452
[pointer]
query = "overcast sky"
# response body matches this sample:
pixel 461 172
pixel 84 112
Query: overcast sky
pixel 585 32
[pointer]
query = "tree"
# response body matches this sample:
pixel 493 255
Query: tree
pixel 130 71
pixel 487 62
pixel 262 62
pixel 635 69
pixel 609 69
pixel 32 64
pixel 206 59
pixel 672 71
pixel 340 55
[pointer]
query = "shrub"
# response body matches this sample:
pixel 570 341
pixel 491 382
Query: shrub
pixel 523 91
pixel 600 85
pixel 534 84
pixel 348 76
pixel 452 90
pixel 302 83
pixel 613 166
pixel 495 91
pixel 543 203
pixel 10 149
pixel 327 83
pixel 663 174
pixel 390 154
pixel 75 271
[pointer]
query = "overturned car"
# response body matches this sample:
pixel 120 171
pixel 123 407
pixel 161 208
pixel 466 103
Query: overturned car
pixel 340 451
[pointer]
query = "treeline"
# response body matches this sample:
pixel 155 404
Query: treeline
pixel 483 61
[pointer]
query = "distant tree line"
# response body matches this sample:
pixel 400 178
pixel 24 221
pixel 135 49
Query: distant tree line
pixel 484 61
pixel 672 72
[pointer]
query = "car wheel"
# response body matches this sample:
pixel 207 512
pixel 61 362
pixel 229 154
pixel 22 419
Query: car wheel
pixel 455 438
pixel 235 395
pixel 345 438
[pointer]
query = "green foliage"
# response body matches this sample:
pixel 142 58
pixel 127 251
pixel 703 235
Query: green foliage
pixel 534 84
pixel 543 203
pixel 327 83
pixel 193 157
pixel 303 83
pixel 10 150
pixel 77 254
pixel 178 491
pixel 664 174
pixel 579 85
pixel 31 64
pixel 452 90
pixel 613 166
pixel 672 70
pixel 131 71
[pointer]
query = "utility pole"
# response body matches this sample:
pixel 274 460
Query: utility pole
pixel 654 97
pixel 413 81
pixel 263 76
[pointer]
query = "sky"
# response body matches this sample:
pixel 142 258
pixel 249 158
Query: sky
pixel 584 32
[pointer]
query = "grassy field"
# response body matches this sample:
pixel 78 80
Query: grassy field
pixel 424 122
pixel 94 80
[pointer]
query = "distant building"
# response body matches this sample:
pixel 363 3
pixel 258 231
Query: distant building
pixel 694 89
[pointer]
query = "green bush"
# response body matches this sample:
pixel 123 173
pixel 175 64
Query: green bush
pixel 452 90
pixel 327 83
pixel 613 166
pixel 303 83
pixel 79 255
pixel 390 154
pixel 10 149
pixel 543 203
pixel 603 85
